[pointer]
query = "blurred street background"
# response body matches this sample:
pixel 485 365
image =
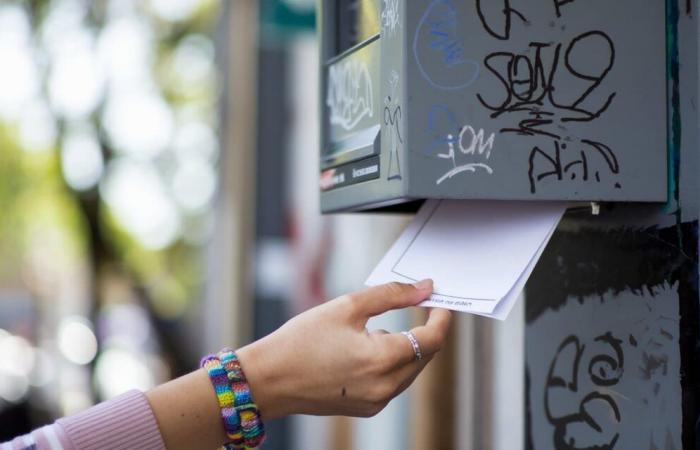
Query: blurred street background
pixel 159 201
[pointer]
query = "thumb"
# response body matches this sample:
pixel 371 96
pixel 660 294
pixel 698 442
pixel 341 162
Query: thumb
pixel 385 297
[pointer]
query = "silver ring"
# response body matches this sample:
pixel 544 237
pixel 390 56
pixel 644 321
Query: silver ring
pixel 414 343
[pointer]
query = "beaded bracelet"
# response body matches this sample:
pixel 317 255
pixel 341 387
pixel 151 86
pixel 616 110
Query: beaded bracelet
pixel 240 414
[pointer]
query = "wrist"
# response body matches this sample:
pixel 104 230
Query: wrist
pixel 187 412
pixel 268 382
pixel 240 415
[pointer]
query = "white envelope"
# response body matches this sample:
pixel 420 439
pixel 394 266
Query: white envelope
pixel 478 253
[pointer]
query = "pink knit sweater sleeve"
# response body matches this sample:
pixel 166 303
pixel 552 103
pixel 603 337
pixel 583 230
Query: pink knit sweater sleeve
pixel 125 422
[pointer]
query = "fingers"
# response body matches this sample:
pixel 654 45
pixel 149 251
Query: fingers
pixel 379 299
pixel 430 337
pixel 406 375
pixel 387 386
pixel 379 332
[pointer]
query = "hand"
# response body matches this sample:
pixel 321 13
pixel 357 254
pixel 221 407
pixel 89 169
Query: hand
pixel 325 362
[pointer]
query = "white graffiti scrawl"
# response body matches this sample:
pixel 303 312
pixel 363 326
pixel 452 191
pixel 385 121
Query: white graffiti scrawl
pixel 390 17
pixel 467 151
pixel 476 147
pixel 350 98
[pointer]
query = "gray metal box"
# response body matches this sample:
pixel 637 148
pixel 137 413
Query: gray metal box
pixel 492 99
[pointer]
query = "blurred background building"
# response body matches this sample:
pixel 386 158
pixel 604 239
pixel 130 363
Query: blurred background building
pixel 159 200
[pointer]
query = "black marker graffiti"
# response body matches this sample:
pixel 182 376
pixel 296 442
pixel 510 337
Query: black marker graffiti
pixel 559 3
pixel 593 423
pixel 604 369
pixel 392 118
pixel 530 87
pixel 529 94
pixel 392 126
pixel 563 163
pixel 508 13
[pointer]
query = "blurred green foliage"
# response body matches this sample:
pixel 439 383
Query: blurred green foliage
pixel 35 199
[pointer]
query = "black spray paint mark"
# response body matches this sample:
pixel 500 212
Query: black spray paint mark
pixel 592 262
pixel 579 424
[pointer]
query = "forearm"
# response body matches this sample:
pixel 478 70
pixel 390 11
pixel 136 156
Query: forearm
pixel 188 413
pixel 323 362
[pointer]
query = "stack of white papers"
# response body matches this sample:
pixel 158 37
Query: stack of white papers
pixel 478 253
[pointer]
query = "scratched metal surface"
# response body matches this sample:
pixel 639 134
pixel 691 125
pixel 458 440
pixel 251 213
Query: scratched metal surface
pixel 612 332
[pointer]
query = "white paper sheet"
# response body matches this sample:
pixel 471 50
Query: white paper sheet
pixel 478 253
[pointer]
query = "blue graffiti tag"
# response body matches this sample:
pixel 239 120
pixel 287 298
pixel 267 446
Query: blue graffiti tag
pixel 439 51
pixel 443 128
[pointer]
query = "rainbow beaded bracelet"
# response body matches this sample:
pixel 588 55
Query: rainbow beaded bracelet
pixel 240 414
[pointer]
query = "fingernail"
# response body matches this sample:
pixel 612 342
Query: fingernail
pixel 424 285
